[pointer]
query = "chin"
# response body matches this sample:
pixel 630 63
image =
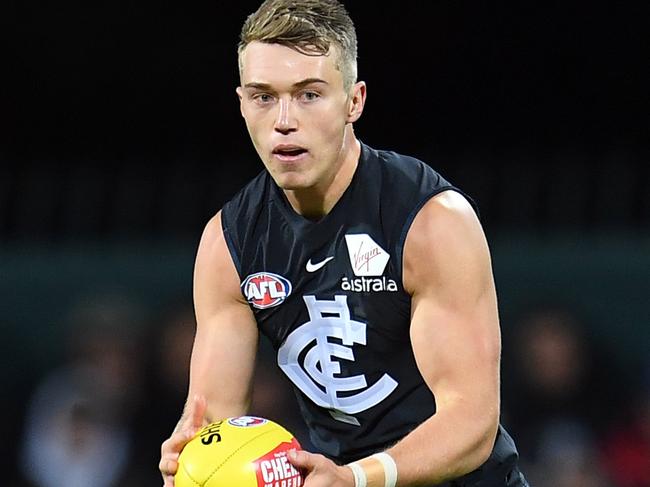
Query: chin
pixel 292 186
pixel 292 182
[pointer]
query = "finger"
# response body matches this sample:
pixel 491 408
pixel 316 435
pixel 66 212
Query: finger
pixel 303 459
pixel 168 481
pixel 168 465
pixel 176 442
pixel 168 469
pixel 197 408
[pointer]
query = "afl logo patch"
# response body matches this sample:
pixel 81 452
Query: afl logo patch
pixel 247 421
pixel 265 290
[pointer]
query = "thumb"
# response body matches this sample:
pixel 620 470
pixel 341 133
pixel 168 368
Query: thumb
pixel 197 408
pixel 302 459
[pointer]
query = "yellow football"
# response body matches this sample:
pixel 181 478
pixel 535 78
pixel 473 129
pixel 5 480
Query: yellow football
pixel 246 451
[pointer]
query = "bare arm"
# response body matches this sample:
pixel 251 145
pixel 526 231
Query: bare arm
pixel 223 357
pixel 456 340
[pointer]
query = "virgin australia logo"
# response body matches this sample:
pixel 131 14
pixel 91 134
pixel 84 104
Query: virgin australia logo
pixel 366 256
pixel 308 358
pixel 368 260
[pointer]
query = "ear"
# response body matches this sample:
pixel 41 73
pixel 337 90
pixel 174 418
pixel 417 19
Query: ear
pixel 240 95
pixel 357 101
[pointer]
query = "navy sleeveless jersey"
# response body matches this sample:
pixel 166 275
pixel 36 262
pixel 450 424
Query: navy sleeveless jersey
pixel 329 296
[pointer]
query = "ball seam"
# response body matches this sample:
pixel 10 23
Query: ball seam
pixel 231 455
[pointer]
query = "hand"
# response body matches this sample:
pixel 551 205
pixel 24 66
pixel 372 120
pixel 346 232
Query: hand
pixel 193 420
pixel 320 471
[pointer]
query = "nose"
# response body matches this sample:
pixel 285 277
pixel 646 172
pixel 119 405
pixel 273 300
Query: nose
pixel 285 121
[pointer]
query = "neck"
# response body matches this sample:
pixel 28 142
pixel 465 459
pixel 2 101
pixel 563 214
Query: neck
pixel 316 202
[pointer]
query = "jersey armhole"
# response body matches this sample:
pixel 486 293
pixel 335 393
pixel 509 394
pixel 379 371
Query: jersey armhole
pixel 232 247
pixel 399 248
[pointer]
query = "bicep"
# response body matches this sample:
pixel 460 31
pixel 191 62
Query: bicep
pixel 225 345
pixel 454 324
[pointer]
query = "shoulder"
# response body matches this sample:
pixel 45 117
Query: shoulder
pixel 445 238
pixel 239 215
pixel 212 240
pixel 447 213
pixel 215 272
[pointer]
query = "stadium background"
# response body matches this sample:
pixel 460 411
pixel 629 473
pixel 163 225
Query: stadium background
pixel 121 135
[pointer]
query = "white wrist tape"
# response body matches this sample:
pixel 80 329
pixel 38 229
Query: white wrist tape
pixel 390 468
pixel 360 478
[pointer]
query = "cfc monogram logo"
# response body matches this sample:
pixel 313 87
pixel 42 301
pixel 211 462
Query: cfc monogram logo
pixel 316 375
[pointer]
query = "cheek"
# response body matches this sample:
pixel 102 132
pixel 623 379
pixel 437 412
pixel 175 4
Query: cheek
pixel 255 125
pixel 331 122
pixel 256 118
pixel 256 135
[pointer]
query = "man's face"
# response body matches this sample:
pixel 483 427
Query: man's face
pixel 296 110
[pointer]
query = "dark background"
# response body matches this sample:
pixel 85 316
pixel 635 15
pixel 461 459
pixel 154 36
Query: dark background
pixel 532 90
pixel 120 136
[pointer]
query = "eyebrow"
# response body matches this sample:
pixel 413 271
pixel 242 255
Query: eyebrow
pixel 299 84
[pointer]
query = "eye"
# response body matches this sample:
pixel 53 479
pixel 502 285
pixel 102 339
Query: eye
pixel 309 96
pixel 262 98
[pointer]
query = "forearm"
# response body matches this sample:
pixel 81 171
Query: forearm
pixel 448 445
pixel 225 395
pixel 222 365
pixel 227 391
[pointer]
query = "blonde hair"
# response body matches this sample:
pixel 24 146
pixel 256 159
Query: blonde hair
pixel 310 27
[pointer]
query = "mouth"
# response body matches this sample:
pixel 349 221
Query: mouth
pixel 289 153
